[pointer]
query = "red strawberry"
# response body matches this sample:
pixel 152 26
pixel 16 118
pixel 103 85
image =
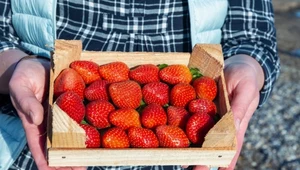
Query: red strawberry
pixel 69 80
pixel 174 74
pixel 177 116
pixel 181 94
pixel 115 137
pixel 156 92
pixel 202 105
pixel 97 90
pixel 197 127
pixel 88 70
pixel 142 138
pixel 171 137
pixel 144 73
pixel 153 115
pixel 205 87
pixel 92 136
pixel 114 71
pixel 72 104
pixel 125 118
pixel 97 113
pixel 126 94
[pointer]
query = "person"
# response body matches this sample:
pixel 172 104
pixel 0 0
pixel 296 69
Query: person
pixel 244 28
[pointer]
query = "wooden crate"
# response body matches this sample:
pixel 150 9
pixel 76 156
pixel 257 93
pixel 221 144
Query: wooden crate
pixel 66 140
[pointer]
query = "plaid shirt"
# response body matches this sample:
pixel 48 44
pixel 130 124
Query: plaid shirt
pixel 115 26
pixel 160 26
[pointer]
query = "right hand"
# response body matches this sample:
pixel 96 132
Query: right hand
pixel 28 88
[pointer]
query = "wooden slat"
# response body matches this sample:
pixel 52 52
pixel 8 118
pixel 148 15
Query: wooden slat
pixel 132 157
pixel 136 58
pixel 208 58
pixel 223 133
pixel 65 132
pixel 65 52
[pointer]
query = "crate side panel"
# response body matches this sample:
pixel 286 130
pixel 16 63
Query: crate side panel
pixel 65 52
pixel 223 133
pixel 136 58
pixel 222 100
pixel 134 157
pixel 208 59
pixel 66 132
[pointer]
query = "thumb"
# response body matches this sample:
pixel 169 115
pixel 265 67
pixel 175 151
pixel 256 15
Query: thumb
pixel 239 106
pixel 26 103
pixel 239 111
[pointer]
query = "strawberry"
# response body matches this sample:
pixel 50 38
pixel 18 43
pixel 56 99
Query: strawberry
pixel 71 103
pixel 126 94
pixel 174 74
pixel 171 137
pixel 181 94
pixel 177 116
pixel 205 87
pixel 197 127
pixel 114 71
pixel 97 113
pixel 156 92
pixel 125 118
pixel 92 136
pixel 142 138
pixel 97 90
pixel 202 105
pixel 69 80
pixel 153 115
pixel 143 74
pixel 88 70
pixel 115 137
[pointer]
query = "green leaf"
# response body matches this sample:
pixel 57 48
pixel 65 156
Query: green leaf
pixel 84 122
pixel 166 105
pixel 161 66
pixel 195 73
pixel 142 106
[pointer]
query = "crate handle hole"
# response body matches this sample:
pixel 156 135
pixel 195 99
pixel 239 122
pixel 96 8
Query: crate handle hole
pixel 220 156
pixel 63 157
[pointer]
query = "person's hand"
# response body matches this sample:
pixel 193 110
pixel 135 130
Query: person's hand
pixel 28 88
pixel 244 78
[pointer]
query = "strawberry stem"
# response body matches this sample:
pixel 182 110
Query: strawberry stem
pixel 142 106
pixel 161 66
pixel 84 122
pixel 195 73
pixel 166 105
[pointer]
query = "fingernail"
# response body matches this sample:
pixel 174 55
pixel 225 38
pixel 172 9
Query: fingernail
pixel 237 124
pixel 33 117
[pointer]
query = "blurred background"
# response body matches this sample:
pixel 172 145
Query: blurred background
pixel 272 141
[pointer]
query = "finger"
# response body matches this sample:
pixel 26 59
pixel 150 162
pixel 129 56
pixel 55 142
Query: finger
pixel 241 133
pixel 80 168
pixel 71 168
pixel 36 140
pixel 201 167
pixel 241 100
pixel 240 138
pixel 25 101
pixel 26 104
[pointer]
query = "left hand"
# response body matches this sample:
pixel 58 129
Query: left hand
pixel 28 89
pixel 244 78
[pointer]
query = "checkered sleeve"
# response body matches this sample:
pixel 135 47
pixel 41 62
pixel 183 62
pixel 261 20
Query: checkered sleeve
pixel 8 37
pixel 249 29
